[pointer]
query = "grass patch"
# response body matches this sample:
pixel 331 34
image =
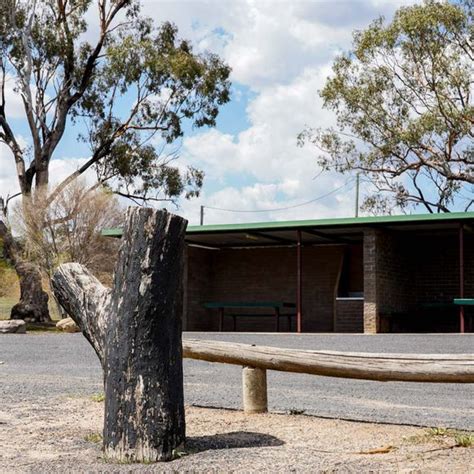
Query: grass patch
pixel 462 439
pixel 93 438
pixel 42 327
pixel 181 452
pixel 6 305
pixel 98 397
pixel 438 431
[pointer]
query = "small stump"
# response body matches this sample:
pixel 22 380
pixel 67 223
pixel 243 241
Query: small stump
pixel 254 386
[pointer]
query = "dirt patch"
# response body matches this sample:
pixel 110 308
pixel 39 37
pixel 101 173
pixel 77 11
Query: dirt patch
pixel 63 435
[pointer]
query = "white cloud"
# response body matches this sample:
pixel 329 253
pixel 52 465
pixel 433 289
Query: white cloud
pixel 8 180
pixel 282 50
pixel 14 104
pixel 267 149
pixel 283 174
pixel 270 41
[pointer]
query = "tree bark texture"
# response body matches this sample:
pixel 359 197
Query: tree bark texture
pixel 33 304
pixel 135 329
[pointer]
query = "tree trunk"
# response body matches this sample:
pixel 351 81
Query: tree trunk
pixel 33 304
pixel 135 329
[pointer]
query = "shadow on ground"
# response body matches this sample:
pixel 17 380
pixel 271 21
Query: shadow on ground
pixel 235 439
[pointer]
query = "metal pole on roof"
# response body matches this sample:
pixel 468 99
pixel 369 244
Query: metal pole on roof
pixel 461 276
pixel 202 215
pixel 357 195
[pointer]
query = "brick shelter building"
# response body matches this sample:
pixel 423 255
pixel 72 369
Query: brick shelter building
pixel 368 274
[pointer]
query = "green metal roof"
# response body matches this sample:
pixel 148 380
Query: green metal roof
pixel 349 222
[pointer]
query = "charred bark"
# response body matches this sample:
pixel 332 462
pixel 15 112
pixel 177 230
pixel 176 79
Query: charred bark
pixel 33 304
pixel 135 329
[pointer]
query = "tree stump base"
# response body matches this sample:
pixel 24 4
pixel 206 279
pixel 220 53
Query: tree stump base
pixel 135 329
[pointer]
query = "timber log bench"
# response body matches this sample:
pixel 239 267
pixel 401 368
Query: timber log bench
pixel 257 360
pixel 276 306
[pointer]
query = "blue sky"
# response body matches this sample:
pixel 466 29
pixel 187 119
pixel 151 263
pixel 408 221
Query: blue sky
pixel 280 53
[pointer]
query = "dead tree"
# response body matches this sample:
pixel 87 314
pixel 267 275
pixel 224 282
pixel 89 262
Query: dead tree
pixel 135 329
pixel 33 304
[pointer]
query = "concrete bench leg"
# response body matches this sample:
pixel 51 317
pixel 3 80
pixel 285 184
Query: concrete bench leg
pixel 254 386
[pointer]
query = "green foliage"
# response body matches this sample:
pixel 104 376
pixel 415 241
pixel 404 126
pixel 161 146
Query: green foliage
pixel 134 88
pixel 170 84
pixel 405 113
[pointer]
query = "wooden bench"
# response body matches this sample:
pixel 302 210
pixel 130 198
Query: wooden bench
pixel 276 306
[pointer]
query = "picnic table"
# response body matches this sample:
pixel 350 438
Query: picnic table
pixel 276 306
pixel 464 301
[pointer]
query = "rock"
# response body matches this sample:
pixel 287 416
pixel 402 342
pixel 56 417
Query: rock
pixel 17 326
pixel 67 325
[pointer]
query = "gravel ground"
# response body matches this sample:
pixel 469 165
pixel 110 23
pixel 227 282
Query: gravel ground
pixel 62 435
pixel 49 422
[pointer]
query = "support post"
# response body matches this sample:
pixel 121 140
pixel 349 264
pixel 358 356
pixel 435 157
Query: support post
pixel 135 329
pixel 201 220
pixel 299 284
pixel 254 390
pixel 461 276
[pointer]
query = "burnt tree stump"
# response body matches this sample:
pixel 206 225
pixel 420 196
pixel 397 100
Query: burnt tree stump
pixel 135 329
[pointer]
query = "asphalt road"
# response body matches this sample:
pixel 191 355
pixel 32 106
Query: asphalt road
pixel 57 365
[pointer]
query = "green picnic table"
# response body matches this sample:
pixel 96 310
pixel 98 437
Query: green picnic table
pixel 276 306
pixel 464 301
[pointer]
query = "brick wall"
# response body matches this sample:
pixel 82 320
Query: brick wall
pixel 198 286
pixel 349 315
pixel 262 274
pixel 436 267
pixel 403 272
pixel 435 279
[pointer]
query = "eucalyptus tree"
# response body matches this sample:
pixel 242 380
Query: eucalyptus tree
pixel 101 70
pixel 403 99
